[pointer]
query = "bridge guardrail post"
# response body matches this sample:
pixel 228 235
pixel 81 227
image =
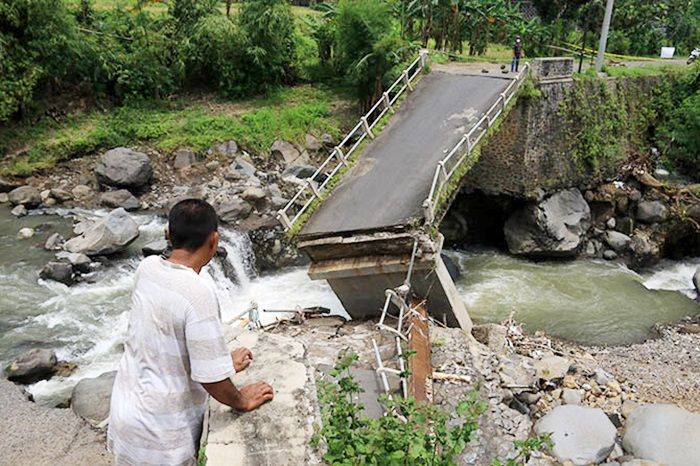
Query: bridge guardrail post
pixel 284 218
pixel 339 153
pixel 366 127
pixel 407 81
pixel 428 213
pixel 313 187
pixel 387 102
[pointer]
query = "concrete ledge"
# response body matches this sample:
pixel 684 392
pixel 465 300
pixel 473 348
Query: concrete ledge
pixel 278 433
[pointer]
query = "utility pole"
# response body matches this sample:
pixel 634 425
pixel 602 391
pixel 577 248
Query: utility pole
pixel 604 36
pixel 586 26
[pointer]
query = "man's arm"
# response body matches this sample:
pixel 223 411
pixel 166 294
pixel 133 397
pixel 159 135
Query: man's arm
pixel 247 398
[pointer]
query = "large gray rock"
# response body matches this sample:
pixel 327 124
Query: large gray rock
pixel 120 198
pixel 552 227
pixel 580 434
pixel 28 196
pixel 300 171
pixel 552 367
pixel 124 168
pixel 32 366
pixel 243 167
pixel 234 209
pixel 184 158
pixel 664 433
pixel 61 272
pixel 54 242
pixel 80 262
pixel 617 241
pixel 155 248
pixel 652 212
pixel 285 152
pixel 91 397
pixel 107 236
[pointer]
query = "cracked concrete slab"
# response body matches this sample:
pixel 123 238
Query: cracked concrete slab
pixel 279 432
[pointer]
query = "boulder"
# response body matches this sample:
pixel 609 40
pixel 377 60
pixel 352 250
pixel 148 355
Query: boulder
pixel 19 211
pixel 4 198
pixel 25 233
pixel 61 272
pixel 570 396
pixel 609 254
pixel 619 242
pixel 233 209
pixel 184 158
pixel 32 366
pixel 107 236
pixel 120 198
pixel 299 171
pixel 652 212
pixel 628 407
pixel 285 152
pixel 696 280
pixel 517 372
pixel 124 168
pixel 28 196
pixel 625 225
pixel 312 143
pixel 155 248
pixel 581 435
pixel 80 262
pixel 6 186
pixel 253 194
pixel 226 148
pixel 91 397
pixel 328 141
pixel 61 195
pixel 243 167
pixel 664 433
pixel 552 227
pixel 54 242
pixel 601 377
pixel 647 249
pixel 552 367
pixel 81 191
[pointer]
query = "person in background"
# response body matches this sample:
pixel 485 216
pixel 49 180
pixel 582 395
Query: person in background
pixel 175 354
pixel 517 53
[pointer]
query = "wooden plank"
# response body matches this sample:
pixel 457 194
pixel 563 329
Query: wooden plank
pixel 420 378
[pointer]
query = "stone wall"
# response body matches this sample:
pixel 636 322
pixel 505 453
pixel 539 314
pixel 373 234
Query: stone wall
pixel 553 68
pixel 541 146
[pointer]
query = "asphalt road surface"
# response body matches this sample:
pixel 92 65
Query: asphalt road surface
pixel 392 177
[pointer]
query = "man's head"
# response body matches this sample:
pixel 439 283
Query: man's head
pixel 192 226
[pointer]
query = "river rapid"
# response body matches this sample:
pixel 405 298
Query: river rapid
pixel 586 301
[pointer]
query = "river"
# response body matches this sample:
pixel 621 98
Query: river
pixel 586 301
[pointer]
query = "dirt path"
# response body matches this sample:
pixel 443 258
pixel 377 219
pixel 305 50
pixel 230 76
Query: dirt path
pixel 31 435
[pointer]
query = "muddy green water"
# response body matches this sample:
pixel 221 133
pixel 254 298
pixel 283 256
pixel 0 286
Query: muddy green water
pixel 593 302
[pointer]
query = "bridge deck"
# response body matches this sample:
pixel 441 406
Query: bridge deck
pixel 392 177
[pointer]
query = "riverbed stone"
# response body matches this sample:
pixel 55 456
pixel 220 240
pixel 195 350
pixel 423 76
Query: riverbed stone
pixel 664 433
pixel 80 262
pixel 54 242
pixel 253 194
pixel 124 168
pixel 109 235
pixel 61 195
pixel 233 209
pixel 184 158
pixel 25 233
pixel 652 212
pixel 19 211
pixel 91 397
pixel 32 366
pixel 81 191
pixel 243 167
pixel 628 407
pixel 120 198
pixel 4 198
pixel 61 272
pixel 552 227
pixel 580 434
pixel 155 248
pixel 312 143
pixel 28 196
pixel 286 153
pixel 226 148
pixel 491 335
pixel 617 241
pixel 551 367
pixel 609 254
pixel 570 396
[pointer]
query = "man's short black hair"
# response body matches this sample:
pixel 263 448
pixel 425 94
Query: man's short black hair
pixel 190 223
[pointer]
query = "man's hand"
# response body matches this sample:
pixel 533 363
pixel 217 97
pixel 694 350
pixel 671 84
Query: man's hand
pixel 242 357
pixel 254 395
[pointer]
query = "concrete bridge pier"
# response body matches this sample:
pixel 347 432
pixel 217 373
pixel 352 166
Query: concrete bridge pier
pixel 360 269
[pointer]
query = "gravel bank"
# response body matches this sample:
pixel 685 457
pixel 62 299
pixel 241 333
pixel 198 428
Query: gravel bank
pixel 661 370
pixel 34 435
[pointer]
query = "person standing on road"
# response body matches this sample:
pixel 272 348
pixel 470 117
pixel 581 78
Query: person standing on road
pixel 175 353
pixel 517 53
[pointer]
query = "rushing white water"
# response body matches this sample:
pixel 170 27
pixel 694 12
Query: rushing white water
pixel 86 323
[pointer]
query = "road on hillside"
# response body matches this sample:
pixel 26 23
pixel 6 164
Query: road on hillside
pixel 392 177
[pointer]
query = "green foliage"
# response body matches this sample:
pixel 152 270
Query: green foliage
pixel 287 114
pixel 423 438
pixel 525 449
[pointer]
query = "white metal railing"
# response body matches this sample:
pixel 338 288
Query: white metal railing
pixel 312 188
pixel 447 167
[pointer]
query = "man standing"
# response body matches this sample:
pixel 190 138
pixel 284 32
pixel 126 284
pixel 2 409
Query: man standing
pixel 517 52
pixel 175 353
